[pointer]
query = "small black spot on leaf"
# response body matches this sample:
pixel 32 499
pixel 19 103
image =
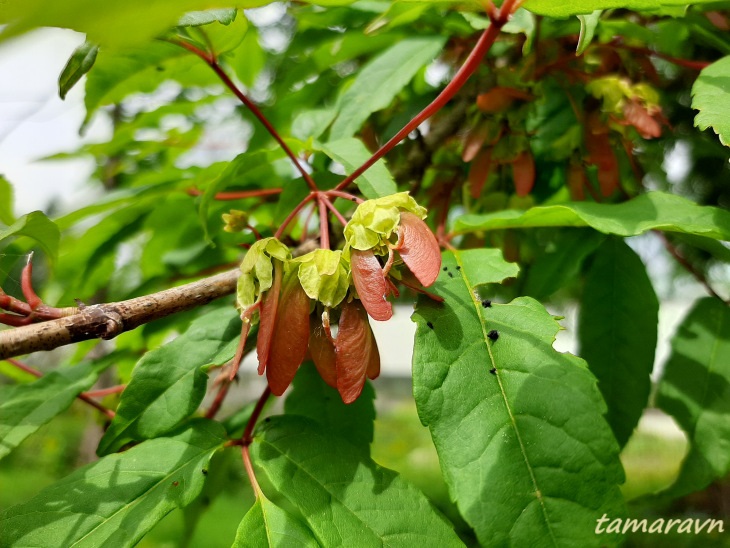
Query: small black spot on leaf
pixel 205 471
pixel 430 325
pixel 451 275
pixel 458 268
pixel 486 303
pixel 446 268
pixel 493 335
pixel 493 370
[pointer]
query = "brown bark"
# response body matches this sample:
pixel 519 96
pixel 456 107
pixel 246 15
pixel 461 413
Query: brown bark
pixel 108 320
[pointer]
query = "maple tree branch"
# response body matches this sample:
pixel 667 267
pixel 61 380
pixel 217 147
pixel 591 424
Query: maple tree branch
pixel 110 319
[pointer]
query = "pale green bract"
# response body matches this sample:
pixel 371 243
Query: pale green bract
pixel 256 267
pixel 374 221
pixel 324 276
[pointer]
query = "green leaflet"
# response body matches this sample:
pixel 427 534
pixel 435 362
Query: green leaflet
pixel 654 210
pixel 257 270
pixel 311 397
pixel 617 330
pixel 588 24
pixel 37 226
pixel 26 407
pixel 6 202
pixel 169 383
pixel 575 7
pixel 343 496
pixel 561 264
pixel 525 450
pixel 324 276
pixel 374 221
pixel 695 390
pixel 351 153
pixel 118 499
pixel 80 62
pixel 711 96
pixel 224 16
pixel 267 525
pixel 377 84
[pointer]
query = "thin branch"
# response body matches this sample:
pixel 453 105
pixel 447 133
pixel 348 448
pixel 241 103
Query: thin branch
pixel 240 194
pixel 109 320
pixel 334 211
pixel 472 62
pixel 293 214
pixel 324 230
pixel 84 396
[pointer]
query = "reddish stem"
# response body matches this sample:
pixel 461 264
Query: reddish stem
pixel 687 63
pixel 293 214
pixel 106 391
pixel 467 69
pixel 210 59
pixel 83 396
pixel 246 455
pixel 345 195
pixel 334 211
pixel 245 327
pixel 26 285
pixel 247 437
pixel 239 195
pixel 324 231
pixel 218 401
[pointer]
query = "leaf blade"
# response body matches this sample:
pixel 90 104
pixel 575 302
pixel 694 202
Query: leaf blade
pixel 525 445
pixel 40 228
pixel 265 524
pixel 80 62
pixel 376 182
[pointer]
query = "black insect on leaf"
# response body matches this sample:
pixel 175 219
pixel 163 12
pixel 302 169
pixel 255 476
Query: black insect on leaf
pixel 493 335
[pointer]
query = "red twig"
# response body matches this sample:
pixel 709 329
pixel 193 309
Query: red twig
pixel 106 391
pixel 345 195
pixel 687 63
pixel 248 438
pixel 83 396
pixel 26 284
pixel 324 230
pixel 467 69
pixel 293 214
pixel 334 211
pixel 239 195
pixel 212 62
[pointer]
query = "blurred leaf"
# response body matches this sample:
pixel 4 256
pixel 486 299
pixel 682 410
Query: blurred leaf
pixel 224 16
pixel 695 390
pixel 40 228
pixel 518 427
pixel 267 525
pixel 617 331
pixel 80 62
pixel 7 216
pixel 169 383
pixel 221 37
pixel 378 82
pixel 312 398
pixel 26 407
pixel 711 96
pixel 249 59
pixel 576 7
pixel 588 24
pixel 118 499
pixel 554 269
pixel 344 497
pixel 351 153
pixel 654 210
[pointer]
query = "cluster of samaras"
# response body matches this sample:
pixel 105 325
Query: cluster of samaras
pixel 345 286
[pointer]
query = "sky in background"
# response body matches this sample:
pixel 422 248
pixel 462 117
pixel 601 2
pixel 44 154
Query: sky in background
pixel 35 122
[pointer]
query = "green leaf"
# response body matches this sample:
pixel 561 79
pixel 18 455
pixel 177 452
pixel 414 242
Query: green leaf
pixel 588 24
pixel 265 524
pixel 711 96
pixel 576 7
pixel 617 330
pixel 344 497
pixel 654 210
pixel 80 62
pixel 113 24
pixel 168 383
pixel 26 407
pixel 6 202
pixel 518 427
pixel 695 390
pixel 312 397
pixel 248 168
pixel 40 228
pixel 118 499
pixel 224 16
pixel 486 266
pixel 559 265
pixel 117 74
pixel 351 153
pixel 378 82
